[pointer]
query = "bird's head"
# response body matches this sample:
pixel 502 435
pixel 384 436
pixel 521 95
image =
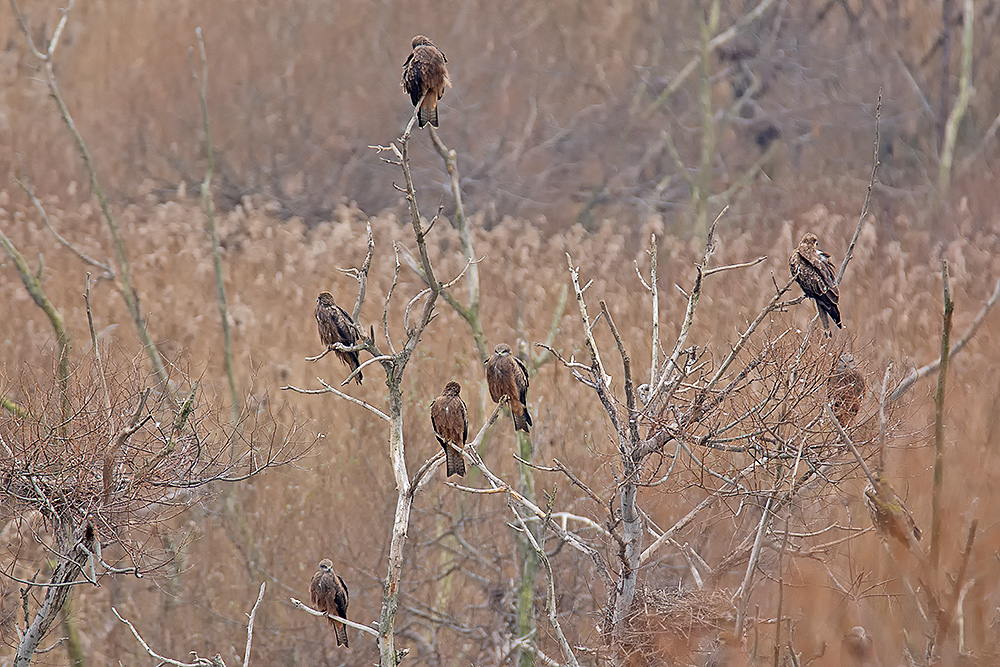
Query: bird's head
pixel 846 362
pixel 326 565
pixel 326 299
pixel 809 240
pixel 452 389
pixel 420 40
pixel 501 349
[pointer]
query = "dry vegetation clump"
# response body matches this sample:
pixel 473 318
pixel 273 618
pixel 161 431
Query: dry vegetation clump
pixel 675 626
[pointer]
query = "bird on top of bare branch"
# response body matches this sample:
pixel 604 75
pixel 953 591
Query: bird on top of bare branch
pixel 890 516
pixel 506 375
pixel 815 274
pixel 857 649
pixel 328 594
pixel 336 326
pixel 450 420
pixel 846 388
pixel 425 76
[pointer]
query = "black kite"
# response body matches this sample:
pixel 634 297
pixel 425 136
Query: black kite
pixel 328 594
pixel 814 272
pixel 450 420
pixel 425 76
pixel 336 326
pixel 507 375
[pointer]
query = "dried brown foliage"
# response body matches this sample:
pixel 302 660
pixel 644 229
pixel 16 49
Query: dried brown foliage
pixel 296 128
pixel 555 107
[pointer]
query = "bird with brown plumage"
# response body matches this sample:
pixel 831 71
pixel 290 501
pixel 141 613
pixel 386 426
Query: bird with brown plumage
pixel 328 593
pixel 450 420
pixel 336 326
pixel 506 375
pixel 425 76
pixel 813 270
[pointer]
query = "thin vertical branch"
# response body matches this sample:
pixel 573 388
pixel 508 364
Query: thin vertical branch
pixel 253 614
pixel 655 298
pixel 470 313
pixel 33 285
pixel 959 345
pixel 741 609
pixel 882 425
pixel 961 104
pixel 128 291
pixel 550 600
pixel 936 499
pixel 209 205
pixel 97 357
pixel 708 23
pixel 868 195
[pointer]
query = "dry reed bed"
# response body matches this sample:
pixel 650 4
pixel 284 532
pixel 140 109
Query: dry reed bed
pixel 337 503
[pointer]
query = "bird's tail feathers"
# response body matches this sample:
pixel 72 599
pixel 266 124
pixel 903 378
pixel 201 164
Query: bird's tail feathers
pixel 522 420
pixel 341 630
pixel 830 307
pixel 454 460
pixel 428 115
pixel 354 361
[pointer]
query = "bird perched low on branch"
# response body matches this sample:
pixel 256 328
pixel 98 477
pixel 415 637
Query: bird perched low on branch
pixel 506 375
pixel 425 76
pixel 814 272
pixel 336 326
pixel 890 516
pixel 450 420
pixel 328 593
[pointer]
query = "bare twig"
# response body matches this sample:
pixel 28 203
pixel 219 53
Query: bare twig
pixel 882 425
pixel 924 371
pixel 961 104
pixel 253 614
pixel 868 195
pixel 330 390
pixel 209 205
pixel 745 587
pixel 939 396
pixel 128 290
pixel 29 188
pixel 872 477
pixel 551 598
pixel 322 614
pixel 199 662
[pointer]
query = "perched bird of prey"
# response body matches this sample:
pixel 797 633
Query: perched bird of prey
pixel 328 594
pixel 336 326
pixel 890 516
pixel 450 420
pixel 846 388
pixel 814 272
pixel 857 649
pixel 507 375
pixel 425 76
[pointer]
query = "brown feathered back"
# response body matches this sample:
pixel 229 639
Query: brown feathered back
pixel 506 375
pixel 814 272
pixel 425 75
pixel 450 420
pixel 328 593
pixel 336 326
